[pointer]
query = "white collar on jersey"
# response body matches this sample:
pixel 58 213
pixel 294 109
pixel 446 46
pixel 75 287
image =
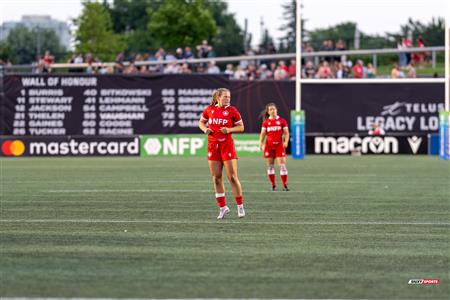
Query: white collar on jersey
pixel 270 118
pixel 217 105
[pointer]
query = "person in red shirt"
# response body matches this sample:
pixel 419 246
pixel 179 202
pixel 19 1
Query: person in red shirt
pixel 219 121
pixel 276 131
pixel 358 69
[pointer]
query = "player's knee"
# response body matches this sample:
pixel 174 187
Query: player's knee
pixel 283 169
pixel 217 179
pixel 233 178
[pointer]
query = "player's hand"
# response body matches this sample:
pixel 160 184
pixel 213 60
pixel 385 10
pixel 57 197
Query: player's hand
pixel 260 146
pixel 208 131
pixel 224 130
pixel 285 144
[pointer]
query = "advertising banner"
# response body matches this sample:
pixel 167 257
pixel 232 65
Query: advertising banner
pixel 12 146
pixel 194 145
pixel 338 144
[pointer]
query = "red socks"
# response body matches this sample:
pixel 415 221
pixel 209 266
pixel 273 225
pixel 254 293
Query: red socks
pixel 220 198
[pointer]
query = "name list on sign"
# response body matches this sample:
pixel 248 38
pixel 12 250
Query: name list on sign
pixel 183 107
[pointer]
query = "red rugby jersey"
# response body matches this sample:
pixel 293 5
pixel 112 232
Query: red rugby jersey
pixel 219 117
pixel 274 130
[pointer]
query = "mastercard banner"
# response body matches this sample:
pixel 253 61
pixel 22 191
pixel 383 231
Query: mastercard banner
pixel 13 146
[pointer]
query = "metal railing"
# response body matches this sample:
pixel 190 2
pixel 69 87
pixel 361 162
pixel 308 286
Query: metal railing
pixel 254 58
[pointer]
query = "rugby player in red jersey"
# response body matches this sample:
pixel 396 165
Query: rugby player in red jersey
pixel 219 121
pixel 276 131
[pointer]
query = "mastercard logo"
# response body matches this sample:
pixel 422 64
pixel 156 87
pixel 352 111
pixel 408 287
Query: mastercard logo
pixel 13 148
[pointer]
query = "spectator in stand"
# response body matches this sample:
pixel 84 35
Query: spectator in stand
pixel 340 71
pixel 179 53
pixel 419 57
pixel 358 69
pixel 376 129
pixel 402 55
pixel 243 63
pixel 131 69
pixel 48 60
pixel 263 72
pixel 397 72
pixel 188 53
pixel 204 49
pixel 340 46
pixel 371 71
pixel 252 72
pixel 120 58
pixel 308 49
pixel 212 68
pixel 292 69
pixel 143 70
pixel 272 69
pixel 172 68
pixel 229 71
pixel 408 44
pixel 411 71
pixel 324 71
pixel 240 74
pixel 309 71
pixel 280 73
pixel 185 69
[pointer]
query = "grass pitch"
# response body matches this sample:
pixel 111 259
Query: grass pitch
pixel 351 227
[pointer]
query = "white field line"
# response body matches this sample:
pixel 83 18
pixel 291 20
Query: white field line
pixel 331 223
pixel 27 298
pixel 156 191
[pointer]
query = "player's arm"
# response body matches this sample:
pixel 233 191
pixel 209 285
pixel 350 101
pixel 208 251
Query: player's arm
pixel 202 125
pixel 262 137
pixel 286 136
pixel 237 128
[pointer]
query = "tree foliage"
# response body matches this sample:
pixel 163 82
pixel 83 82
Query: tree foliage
pixel 24 45
pixel 94 34
pixel 181 22
pixel 229 39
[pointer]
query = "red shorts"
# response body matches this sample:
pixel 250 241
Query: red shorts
pixel 222 151
pixel 274 151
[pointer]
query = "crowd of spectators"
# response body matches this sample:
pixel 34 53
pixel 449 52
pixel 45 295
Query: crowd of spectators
pixel 179 62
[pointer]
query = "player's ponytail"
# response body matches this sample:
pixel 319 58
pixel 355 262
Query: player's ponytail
pixel 265 113
pixel 217 93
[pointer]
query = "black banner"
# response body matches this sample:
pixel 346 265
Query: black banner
pixel 357 145
pixel 347 108
pixel 106 105
pixel 13 146
pixel 116 105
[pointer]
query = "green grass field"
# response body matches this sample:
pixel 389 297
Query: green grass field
pixel 351 227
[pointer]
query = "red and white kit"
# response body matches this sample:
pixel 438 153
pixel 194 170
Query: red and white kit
pixel 274 137
pixel 220 145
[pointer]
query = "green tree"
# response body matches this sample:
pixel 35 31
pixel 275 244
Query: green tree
pixel 25 45
pixel 130 19
pixel 4 51
pixel 229 40
pixel 94 33
pixel 287 43
pixel 344 31
pixel 181 22
pixel 433 32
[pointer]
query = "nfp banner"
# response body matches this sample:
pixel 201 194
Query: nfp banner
pixel 194 145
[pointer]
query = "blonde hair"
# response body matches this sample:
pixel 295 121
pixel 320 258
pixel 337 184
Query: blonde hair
pixel 217 93
pixel 265 113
